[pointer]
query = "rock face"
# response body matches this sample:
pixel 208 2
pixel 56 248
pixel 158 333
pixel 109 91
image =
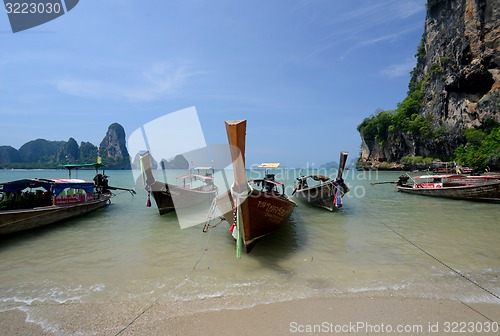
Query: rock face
pixel 462 44
pixel 114 149
pixel 455 85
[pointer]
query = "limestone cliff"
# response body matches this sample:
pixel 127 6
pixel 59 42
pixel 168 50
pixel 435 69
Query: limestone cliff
pixel 455 86
pixel 113 148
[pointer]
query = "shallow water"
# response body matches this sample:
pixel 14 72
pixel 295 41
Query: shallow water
pixel 380 241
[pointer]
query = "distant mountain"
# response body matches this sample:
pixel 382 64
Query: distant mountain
pixel 329 165
pixel 179 162
pixel 44 151
pixel 9 154
pixel 41 153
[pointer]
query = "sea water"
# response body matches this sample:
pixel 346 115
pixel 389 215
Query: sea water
pixel 380 242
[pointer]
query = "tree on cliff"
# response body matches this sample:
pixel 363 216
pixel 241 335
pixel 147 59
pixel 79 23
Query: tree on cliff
pixel 72 150
pixel 482 148
pixel 88 152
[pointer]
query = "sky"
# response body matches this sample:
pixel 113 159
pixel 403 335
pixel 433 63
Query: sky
pixel 303 73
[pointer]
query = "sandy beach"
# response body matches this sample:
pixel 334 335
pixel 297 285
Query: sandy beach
pixel 338 315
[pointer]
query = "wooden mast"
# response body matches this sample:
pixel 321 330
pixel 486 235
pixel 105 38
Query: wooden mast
pixel 236 134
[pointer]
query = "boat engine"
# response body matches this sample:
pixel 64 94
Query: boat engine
pixel 101 183
pixel 403 179
pixel 266 185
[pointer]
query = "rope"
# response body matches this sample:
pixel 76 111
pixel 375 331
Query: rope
pixel 142 312
pixel 486 317
pixel 210 215
pixel 445 265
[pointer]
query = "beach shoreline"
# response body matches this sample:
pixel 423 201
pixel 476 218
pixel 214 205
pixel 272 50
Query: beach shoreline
pixel 361 315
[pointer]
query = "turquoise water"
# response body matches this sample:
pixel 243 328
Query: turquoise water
pixel 380 242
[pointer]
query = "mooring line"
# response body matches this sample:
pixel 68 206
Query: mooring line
pixel 486 317
pixel 142 312
pixel 444 264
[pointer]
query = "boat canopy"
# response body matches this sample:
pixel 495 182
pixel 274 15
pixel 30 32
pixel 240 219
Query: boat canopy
pixel 70 166
pixel 203 168
pixel 19 185
pixel 195 177
pixel 269 165
pixel 56 186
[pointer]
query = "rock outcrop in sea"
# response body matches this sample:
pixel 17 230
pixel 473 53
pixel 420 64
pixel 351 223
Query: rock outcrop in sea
pixel 113 148
pixel 42 153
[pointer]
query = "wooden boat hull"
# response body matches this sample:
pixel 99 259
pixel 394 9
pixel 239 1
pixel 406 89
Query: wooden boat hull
pixel 262 211
pixel 12 221
pixel 164 195
pixel 267 213
pixel 487 192
pixel 321 195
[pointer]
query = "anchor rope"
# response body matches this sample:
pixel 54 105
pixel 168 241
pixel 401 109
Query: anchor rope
pixel 478 312
pixel 445 265
pixel 181 283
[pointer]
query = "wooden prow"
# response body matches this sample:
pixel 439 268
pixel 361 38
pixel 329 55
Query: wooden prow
pixel 236 134
pixel 343 160
pixel 146 165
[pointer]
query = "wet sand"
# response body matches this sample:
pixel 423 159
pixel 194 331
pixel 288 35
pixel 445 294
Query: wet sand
pixel 334 316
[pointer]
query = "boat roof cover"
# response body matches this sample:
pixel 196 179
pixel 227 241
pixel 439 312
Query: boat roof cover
pixel 56 186
pixel 83 165
pixel 269 165
pixel 203 168
pixel 194 176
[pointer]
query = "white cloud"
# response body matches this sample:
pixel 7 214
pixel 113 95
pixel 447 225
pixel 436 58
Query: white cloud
pixel 377 22
pixel 379 39
pixel 398 70
pixel 379 14
pixel 158 81
pixel 409 8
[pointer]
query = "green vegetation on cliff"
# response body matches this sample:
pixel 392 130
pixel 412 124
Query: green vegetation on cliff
pixel 482 148
pixel 406 117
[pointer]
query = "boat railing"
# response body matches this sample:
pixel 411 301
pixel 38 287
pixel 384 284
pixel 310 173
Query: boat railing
pixel 270 186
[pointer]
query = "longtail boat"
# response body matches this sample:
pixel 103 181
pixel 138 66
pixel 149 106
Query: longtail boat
pixel 326 192
pixel 30 203
pixel 168 196
pixel 478 188
pixel 254 208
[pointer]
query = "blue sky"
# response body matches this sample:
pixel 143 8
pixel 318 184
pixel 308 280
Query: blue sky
pixel 303 73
